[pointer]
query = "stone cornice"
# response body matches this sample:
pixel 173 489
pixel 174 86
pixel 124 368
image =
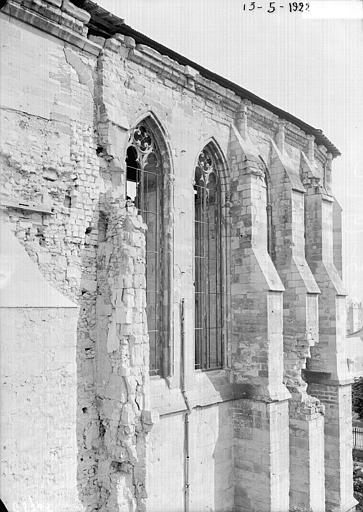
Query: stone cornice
pixel 65 21
pixel 59 18
pixel 184 76
pixel 295 137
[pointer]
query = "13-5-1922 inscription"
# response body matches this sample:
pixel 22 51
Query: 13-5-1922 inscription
pixel 271 7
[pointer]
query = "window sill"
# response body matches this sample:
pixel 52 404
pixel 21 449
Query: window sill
pixel 164 399
pixel 209 387
pixel 204 389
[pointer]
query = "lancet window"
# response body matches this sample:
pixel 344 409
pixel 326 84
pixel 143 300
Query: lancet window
pixel 269 214
pixel 208 264
pixel 144 186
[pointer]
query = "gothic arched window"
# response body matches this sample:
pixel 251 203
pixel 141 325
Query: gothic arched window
pixel 208 264
pixel 144 189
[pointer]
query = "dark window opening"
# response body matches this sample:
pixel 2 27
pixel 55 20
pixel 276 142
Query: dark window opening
pixel 270 247
pixel 270 242
pixel 132 174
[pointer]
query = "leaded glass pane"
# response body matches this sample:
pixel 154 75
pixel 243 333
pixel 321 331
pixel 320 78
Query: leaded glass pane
pixel 208 265
pixel 143 189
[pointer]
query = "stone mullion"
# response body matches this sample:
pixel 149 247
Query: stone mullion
pixel 225 226
pixel 167 263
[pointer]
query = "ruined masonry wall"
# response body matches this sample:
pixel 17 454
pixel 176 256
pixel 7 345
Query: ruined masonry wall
pixel 48 156
pixel 39 459
pixel 122 358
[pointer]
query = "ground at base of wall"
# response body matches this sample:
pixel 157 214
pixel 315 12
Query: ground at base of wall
pixel 299 509
pixel 358 482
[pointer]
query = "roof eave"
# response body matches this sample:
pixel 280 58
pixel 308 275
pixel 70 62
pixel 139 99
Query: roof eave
pixel 106 24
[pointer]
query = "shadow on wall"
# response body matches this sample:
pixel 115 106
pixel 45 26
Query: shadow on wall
pixel 211 457
pixel 223 456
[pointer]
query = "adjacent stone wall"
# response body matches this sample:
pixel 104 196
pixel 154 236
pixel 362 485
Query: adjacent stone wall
pixel 49 164
pixel 38 387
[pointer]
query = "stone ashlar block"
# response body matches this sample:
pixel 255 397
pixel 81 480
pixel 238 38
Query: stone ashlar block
pixel 74 11
pixel 56 3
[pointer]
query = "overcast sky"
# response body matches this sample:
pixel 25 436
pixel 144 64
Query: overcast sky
pixel 310 68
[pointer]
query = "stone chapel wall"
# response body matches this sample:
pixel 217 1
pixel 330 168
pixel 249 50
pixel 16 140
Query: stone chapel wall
pixel 224 440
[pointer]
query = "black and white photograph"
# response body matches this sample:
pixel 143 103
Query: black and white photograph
pixel 181 256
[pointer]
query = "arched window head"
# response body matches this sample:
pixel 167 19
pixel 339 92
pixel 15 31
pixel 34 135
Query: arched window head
pixel 208 264
pixel 142 160
pixel 144 189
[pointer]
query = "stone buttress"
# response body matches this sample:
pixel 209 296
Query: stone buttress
pixel 327 371
pixel 300 327
pixel 261 419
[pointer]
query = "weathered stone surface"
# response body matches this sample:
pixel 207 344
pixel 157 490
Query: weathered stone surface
pixel 301 329
pixel 76 12
pixel 116 439
pixel 328 371
pixel 38 391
